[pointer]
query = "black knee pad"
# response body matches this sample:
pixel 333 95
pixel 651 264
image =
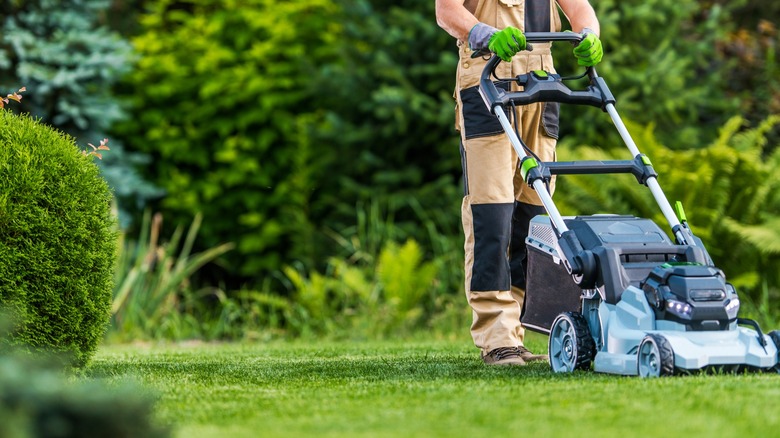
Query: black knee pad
pixel 521 219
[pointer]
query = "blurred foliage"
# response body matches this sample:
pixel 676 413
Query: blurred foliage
pixel 684 66
pixel 153 297
pixel 661 62
pixel 381 301
pixel 221 96
pixel 383 289
pixel 756 81
pixel 38 398
pixel 69 63
pixel 57 240
pixel 246 111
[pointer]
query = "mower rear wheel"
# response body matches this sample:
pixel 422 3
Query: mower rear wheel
pixel 774 335
pixel 655 357
pixel 571 346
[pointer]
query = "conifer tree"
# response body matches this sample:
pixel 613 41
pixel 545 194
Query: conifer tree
pixel 69 62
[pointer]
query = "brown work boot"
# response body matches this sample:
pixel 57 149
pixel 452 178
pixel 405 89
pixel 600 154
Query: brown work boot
pixel 527 356
pixel 503 356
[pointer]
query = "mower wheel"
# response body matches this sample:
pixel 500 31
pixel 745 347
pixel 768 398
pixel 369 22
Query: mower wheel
pixel 774 335
pixel 571 346
pixel 655 357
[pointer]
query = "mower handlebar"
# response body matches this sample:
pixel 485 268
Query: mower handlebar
pixel 540 37
pixel 542 86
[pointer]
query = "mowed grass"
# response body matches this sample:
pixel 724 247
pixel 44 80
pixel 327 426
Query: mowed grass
pixel 425 388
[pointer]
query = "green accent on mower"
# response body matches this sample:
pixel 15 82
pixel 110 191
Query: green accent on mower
pixel 527 164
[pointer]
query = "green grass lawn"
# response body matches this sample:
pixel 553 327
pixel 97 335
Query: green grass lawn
pixel 425 388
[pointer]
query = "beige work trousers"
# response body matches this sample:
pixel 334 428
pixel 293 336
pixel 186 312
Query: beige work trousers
pixel 494 188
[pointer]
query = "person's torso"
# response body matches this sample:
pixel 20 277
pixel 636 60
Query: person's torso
pixel 471 5
pixel 526 15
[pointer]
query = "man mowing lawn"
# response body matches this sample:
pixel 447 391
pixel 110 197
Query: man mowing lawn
pixel 497 205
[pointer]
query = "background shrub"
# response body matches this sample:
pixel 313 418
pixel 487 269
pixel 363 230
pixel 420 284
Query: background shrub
pixel 289 115
pixel 153 297
pixel 69 60
pixel 57 239
pixel 222 95
pixel 674 79
pixel 37 400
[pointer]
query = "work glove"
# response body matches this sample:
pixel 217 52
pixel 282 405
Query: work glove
pixel 589 51
pixel 504 43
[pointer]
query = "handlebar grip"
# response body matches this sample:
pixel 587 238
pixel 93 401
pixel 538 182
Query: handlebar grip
pixel 485 52
pixel 540 37
pixel 550 37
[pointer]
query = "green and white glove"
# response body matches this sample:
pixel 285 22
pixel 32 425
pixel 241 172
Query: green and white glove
pixel 589 51
pixel 504 43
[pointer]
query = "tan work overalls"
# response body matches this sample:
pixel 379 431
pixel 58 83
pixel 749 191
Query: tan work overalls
pixel 498 204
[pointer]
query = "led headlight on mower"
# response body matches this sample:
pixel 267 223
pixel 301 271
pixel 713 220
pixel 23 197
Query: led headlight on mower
pixel 679 309
pixel 732 305
pixel 732 308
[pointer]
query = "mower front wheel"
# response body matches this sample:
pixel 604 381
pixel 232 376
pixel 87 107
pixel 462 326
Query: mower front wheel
pixel 571 346
pixel 774 335
pixel 655 357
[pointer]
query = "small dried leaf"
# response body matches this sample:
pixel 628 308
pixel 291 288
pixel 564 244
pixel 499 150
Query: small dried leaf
pixel 13 96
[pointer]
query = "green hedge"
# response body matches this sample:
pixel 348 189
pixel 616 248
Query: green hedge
pixel 57 239
pixel 219 92
pixel 286 115
pixel 662 62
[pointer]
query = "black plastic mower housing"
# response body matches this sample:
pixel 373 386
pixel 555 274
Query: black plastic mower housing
pixel 692 294
pixel 625 249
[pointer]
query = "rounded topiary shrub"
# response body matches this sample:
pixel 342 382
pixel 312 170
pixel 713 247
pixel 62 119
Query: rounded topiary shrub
pixel 58 241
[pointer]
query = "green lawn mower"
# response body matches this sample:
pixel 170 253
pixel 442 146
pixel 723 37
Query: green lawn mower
pixel 615 292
